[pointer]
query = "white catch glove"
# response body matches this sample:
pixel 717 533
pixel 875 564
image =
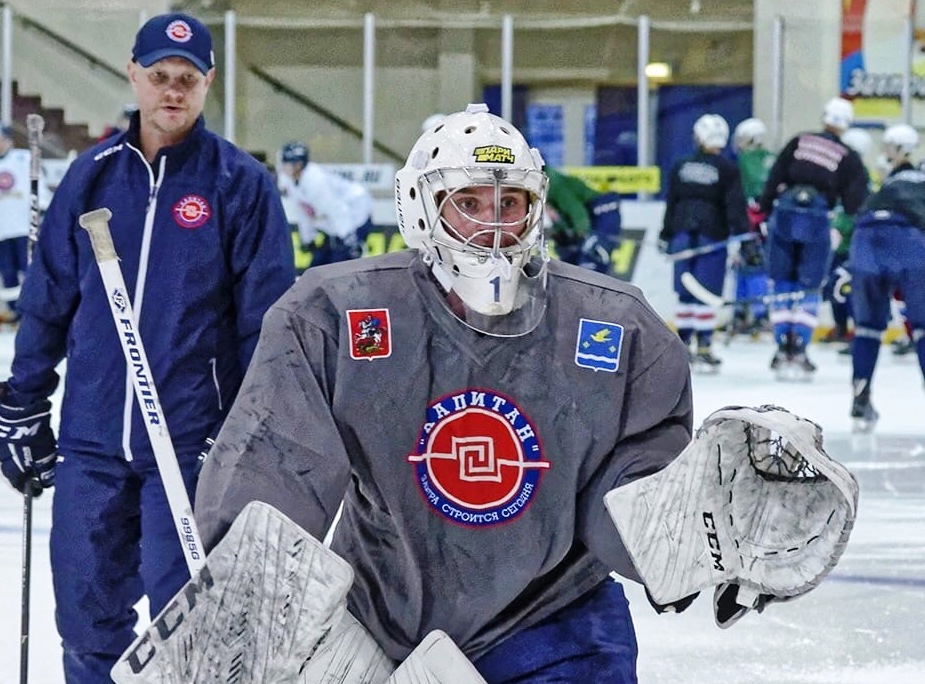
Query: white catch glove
pixel 753 506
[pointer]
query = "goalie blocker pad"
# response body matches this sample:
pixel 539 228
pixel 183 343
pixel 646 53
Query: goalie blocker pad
pixel 269 606
pixel 753 501
pixel 268 593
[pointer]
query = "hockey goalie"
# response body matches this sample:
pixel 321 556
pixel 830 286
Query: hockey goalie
pixel 501 432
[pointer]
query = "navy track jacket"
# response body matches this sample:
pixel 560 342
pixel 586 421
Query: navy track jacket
pixel 204 248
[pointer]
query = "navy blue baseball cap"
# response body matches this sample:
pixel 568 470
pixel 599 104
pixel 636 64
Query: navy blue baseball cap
pixel 174 35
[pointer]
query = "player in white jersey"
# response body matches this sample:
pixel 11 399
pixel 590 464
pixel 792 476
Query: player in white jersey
pixel 470 402
pixel 321 202
pixel 15 206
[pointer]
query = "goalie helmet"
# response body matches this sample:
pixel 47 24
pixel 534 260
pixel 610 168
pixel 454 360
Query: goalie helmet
pixel 711 132
pixel 470 199
pixel 899 142
pixel 838 113
pixel 750 134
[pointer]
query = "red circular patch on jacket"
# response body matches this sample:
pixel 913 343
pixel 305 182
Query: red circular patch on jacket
pixel 191 211
pixel 7 181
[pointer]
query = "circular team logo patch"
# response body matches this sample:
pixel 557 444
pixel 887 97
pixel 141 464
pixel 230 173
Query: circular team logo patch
pixel 7 181
pixel 191 211
pixel 179 31
pixel 478 460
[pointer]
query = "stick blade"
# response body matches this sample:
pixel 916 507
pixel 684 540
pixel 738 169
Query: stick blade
pixel 700 292
pixel 436 660
pixel 268 593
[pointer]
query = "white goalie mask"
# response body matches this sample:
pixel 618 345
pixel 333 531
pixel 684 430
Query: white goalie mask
pixel 470 198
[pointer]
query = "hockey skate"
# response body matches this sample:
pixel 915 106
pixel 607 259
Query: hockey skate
pixel 791 364
pixel 863 414
pixel 704 362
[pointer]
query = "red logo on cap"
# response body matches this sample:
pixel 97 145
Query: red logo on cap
pixel 191 211
pixel 179 31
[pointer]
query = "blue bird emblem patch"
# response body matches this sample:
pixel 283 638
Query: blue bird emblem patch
pixel 598 346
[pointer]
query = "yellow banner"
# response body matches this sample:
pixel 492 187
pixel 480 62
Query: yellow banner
pixel 624 180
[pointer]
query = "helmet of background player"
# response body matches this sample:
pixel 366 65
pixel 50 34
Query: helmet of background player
pixel 711 132
pixel 838 114
pixel 431 121
pixel 294 152
pixel 858 140
pixel 750 134
pixel 470 199
pixel 899 141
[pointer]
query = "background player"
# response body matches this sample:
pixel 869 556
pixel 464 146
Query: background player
pixel 333 215
pixel 704 206
pixel 751 274
pixel 888 252
pixel 813 173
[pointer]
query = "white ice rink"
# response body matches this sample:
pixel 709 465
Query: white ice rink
pixel 864 625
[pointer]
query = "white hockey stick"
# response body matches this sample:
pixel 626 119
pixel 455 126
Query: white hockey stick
pixel 96 223
pixel 706 249
pixel 698 290
pixel 35 124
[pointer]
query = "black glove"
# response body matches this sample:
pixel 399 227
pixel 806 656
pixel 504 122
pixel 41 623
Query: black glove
pixel 678 606
pixel 594 254
pixel 728 611
pixel 28 448
pixel 751 253
pixel 664 242
pixel 203 455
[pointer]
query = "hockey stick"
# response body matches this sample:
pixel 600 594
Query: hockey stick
pixel 96 223
pixel 696 288
pixel 706 249
pixel 35 124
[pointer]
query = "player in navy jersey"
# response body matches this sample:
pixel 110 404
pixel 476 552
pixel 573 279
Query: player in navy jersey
pixel 705 205
pixel 813 173
pixel 888 253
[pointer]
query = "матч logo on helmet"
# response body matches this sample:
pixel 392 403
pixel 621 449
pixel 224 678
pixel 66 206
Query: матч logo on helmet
pixel 493 154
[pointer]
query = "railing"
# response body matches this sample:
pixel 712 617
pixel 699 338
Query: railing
pixel 343 124
pixel 89 57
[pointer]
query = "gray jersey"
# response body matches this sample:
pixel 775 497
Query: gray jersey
pixel 472 469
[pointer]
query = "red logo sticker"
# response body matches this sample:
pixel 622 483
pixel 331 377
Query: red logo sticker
pixel 478 461
pixel 179 31
pixel 7 181
pixel 370 333
pixel 191 211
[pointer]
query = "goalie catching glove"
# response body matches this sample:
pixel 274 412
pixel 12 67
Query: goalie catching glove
pixel 753 506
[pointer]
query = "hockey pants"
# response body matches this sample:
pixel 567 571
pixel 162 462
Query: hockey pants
pixel 112 541
pixel 591 640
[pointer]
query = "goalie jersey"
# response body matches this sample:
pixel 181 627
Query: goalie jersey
pixel 472 469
